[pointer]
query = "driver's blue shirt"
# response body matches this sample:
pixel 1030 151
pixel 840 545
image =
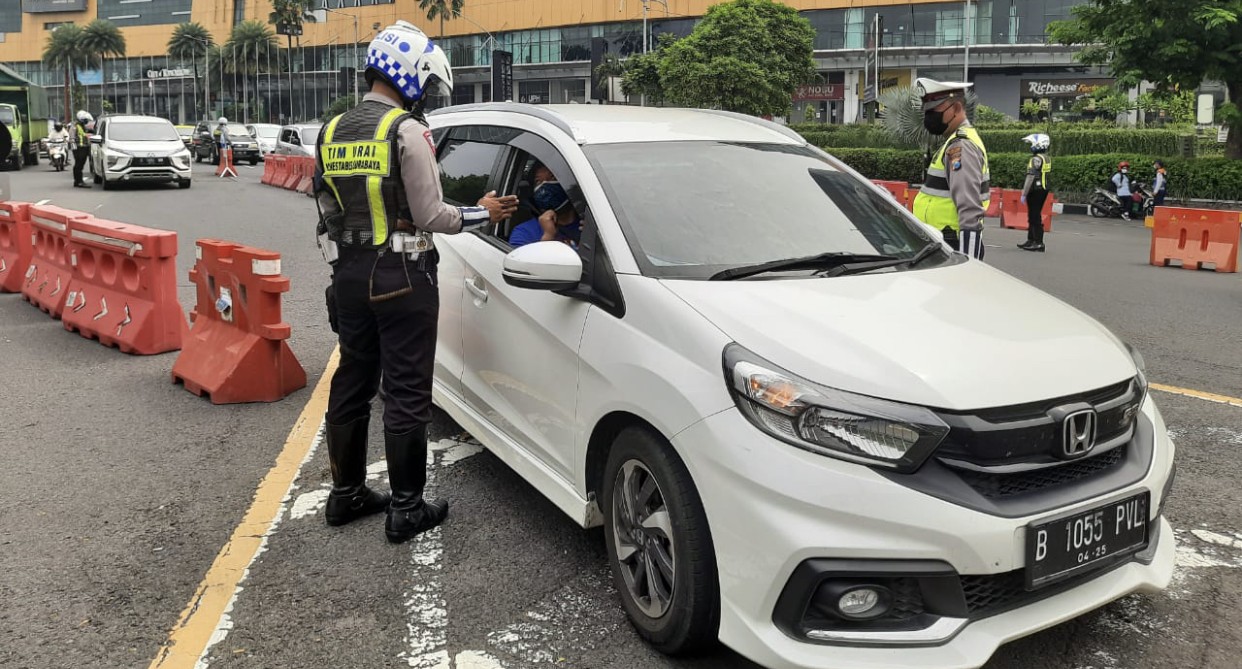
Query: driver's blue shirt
pixel 530 232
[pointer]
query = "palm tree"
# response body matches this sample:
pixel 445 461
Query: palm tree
pixel 441 9
pixel 102 38
pixel 188 41
pixel 255 42
pixel 288 17
pixel 65 49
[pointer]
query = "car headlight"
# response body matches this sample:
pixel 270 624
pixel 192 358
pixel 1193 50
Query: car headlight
pixel 181 159
pixel 115 158
pixel 828 421
pixel 1141 365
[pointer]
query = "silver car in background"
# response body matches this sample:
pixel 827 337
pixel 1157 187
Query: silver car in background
pixel 298 139
pixel 265 134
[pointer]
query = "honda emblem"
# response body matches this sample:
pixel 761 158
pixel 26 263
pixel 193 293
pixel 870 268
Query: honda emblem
pixel 1079 433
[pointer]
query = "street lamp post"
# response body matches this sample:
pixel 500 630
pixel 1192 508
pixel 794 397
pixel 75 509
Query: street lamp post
pixel 355 18
pixel 206 75
pixel 966 27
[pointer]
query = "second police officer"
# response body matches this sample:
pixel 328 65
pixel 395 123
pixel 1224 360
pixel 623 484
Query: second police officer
pixel 956 191
pixel 1035 190
pixel 381 200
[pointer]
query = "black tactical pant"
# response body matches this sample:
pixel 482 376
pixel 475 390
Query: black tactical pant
pixel 386 313
pixel 1035 215
pixel 80 157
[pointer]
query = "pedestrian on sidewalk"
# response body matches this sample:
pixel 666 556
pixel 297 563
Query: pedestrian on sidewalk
pixel 1160 186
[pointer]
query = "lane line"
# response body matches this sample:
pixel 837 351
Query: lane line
pixel 203 622
pixel 1197 394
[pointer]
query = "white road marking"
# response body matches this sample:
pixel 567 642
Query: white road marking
pixel 427 613
pixel 40 203
pixel 308 504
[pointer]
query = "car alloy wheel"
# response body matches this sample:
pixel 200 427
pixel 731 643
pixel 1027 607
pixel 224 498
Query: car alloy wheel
pixel 643 533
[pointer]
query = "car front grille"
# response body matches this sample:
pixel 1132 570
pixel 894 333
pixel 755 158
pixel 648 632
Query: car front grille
pixel 996 486
pixel 150 162
pixel 993 592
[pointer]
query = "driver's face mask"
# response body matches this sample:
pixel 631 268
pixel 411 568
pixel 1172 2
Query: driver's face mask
pixel 550 195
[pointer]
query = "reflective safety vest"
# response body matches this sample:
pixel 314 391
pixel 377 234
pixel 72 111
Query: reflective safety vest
pixel 1044 169
pixel 81 135
pixel 933 205
pixel 361 166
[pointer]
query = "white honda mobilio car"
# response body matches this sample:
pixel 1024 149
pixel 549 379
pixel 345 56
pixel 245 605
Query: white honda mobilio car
pixel 810 430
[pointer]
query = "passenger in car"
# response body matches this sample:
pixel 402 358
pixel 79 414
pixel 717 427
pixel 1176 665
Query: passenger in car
pixel 559 220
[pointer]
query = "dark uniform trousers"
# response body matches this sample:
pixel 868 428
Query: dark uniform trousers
pixel 1035 199
pixel 387 313
pixel 81 156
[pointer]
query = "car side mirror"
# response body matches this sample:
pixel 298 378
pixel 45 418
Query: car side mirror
pixel 96 139
pixel 543 266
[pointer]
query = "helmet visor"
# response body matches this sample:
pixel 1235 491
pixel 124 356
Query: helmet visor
pixel 438 86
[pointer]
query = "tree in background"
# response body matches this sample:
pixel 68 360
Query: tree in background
pixel 65 49
pixel 339 106
pixel 745 56
pixel 248 52
pixel 102 38
pixel 1169 42
pixel 188 42
pixel 288 17
pixel 441 9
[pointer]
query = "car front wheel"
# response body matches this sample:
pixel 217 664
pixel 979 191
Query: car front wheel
pixel 659 545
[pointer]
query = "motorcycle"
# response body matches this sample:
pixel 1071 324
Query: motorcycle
pixel 57 153
pixel 1106 204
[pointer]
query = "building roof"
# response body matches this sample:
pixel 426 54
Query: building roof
pixel 609 124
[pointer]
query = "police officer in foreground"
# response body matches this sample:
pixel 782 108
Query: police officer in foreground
pixel 956 191
pixel 1035 190
pixel 81 147
pixel 380 201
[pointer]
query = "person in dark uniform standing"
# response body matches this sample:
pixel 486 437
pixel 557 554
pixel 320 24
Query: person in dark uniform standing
pixel 1035 190
pixel 81 147
pixel 956 191
pixel 380 201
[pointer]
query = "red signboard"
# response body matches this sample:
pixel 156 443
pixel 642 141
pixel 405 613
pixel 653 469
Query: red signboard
pixel 819 92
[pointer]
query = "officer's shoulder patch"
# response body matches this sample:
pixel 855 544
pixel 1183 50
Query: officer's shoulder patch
pixel 430 142
pixel 953 153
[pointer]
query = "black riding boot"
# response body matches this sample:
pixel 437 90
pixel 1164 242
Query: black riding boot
pixel 350 498
pixel 409 515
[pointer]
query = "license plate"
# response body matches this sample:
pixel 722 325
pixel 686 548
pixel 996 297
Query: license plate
pixel 1060 548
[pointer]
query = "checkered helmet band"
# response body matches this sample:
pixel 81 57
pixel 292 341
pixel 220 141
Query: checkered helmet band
pixel 404 57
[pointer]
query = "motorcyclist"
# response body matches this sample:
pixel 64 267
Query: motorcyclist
pixel 58 135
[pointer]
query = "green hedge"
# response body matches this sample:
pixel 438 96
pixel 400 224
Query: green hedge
pixel 1073 177
pixel 1069 141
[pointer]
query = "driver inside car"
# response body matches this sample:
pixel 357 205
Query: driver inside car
pixel 559 220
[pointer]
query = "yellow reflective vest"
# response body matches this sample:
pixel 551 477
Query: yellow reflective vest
pixel 934 205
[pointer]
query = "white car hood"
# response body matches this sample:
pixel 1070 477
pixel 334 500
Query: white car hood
pixel 159 148
pixel 961 337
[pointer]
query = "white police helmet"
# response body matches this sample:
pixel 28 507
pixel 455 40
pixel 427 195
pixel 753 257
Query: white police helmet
pixel 222 121
pixel 85 116
pixel 931 93
pixel 1038 141
pixel 406 59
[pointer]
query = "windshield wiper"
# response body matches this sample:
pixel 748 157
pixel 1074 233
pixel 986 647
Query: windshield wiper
pixel 821 261
pixel 863 267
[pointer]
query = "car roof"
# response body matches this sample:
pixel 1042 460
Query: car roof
pixel 134 118
pixel 304 126
pixel 610 124
pixel 264 125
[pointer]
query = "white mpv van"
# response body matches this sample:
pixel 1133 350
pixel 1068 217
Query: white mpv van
pixel 810 429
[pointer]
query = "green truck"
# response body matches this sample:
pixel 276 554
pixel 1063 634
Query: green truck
pixel 24 113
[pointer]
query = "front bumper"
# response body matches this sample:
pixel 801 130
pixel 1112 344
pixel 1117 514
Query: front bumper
pixel 772 507
pixel 160 174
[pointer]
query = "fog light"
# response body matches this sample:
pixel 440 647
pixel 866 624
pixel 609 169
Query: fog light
pixel 858 603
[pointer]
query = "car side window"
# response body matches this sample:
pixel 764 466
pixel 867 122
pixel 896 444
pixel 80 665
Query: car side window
pixel 534 161
pixel 465 168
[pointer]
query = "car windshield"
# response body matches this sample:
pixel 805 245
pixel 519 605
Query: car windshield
pixel 691 209
pixel 142 131
pixel 6 116
pixel 236 130
pixel 310 135
pixel 266 132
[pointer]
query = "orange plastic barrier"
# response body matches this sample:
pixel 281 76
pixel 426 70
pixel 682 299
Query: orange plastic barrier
pixel 994 206
pixel 308 176
pixel 280 170
pixel 296 164
pixel 896 188
pixel 124 287
pixel 237 349
pixel 1196 238
pixel 225 168
pixel 1013 211
pixel 48 276
pixel 269 168
pixel 15 246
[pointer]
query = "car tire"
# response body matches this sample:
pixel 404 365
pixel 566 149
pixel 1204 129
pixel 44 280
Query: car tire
pixel 254 161
pixel 679 611
pixel 98 179
pixel 184 184
pixel 109 185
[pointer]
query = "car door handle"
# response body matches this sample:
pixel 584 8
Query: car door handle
pixel 474 285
